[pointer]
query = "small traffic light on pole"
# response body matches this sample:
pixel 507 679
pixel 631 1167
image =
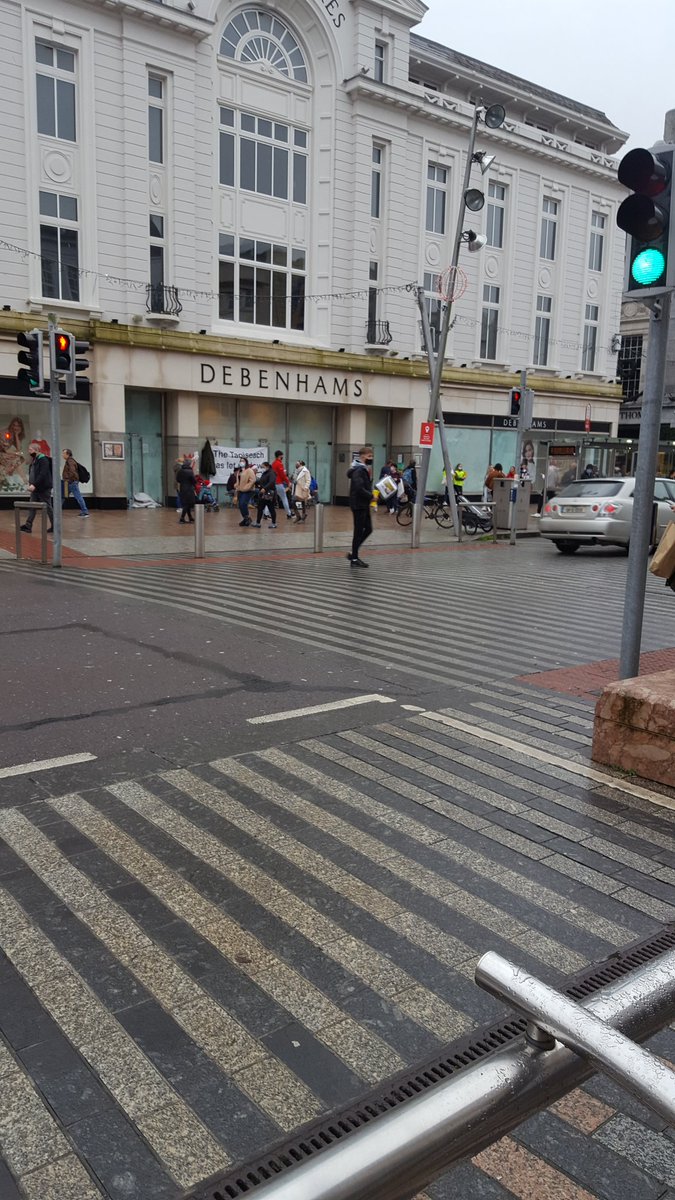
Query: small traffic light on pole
pixel 516 397
pixel 647 218
pixel 63 360
pixel 31 370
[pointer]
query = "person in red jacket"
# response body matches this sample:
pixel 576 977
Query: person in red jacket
pixel 282 481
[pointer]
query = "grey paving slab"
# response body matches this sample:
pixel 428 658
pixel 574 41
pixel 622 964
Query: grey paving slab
pixel 645 1148
pixel 231 1116
pixel 310 1060
pixel 587 1161
pixel 23 1020
pixel 66 1082
pixel 117 1155
pixel 9 1189
pixel 468 1182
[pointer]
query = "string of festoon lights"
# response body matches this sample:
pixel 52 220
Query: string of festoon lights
pixel 134 285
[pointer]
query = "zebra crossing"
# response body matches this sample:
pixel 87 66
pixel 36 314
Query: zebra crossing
pixel 465 617
pixel 197 960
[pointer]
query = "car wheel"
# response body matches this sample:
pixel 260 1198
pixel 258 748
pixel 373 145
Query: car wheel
pixel 567 547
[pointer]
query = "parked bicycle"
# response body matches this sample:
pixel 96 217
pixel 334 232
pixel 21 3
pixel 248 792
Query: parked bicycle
pixel 435 509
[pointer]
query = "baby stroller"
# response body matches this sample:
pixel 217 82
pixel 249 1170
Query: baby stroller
pixel 204 494
pixel 474 517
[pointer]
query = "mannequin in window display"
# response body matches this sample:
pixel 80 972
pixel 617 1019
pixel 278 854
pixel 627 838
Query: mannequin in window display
pixel 13 468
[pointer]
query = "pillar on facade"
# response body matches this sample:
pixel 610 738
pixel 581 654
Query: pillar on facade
pixel 108 433
pixel 350 436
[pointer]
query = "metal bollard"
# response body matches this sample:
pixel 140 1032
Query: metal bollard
pixel 31 506
pixel 199 531
pixel 318 528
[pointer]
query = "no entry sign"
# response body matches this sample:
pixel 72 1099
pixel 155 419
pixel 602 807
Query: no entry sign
pixel 427 433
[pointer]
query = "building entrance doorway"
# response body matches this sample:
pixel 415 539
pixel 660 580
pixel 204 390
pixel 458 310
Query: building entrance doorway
pixel 143 419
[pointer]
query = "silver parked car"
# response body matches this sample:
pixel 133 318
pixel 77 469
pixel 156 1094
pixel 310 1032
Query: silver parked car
pixel 600 512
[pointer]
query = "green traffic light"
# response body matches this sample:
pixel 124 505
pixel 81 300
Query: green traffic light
pixel 648 266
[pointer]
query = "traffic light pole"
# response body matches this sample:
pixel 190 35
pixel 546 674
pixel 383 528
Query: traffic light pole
pixel 419 505
pixel 55 414
pixel 436 365
pixel 524 407
pixel 645 474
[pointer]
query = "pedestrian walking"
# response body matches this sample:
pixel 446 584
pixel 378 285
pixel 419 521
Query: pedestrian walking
pixel 267 496
pixel 245 484
pixel 282 482
pixel 458 479
pixel 71 476
pixel 302 482
pixel 185 478
pixel 496 472
pixel 39 486
pixel 360 499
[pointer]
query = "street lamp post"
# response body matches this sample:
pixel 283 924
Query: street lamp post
pixel 494 118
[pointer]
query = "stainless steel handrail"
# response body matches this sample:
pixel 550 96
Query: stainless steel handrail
pixel 398 1154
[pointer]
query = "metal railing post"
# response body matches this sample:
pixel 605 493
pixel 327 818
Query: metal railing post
pixel 31 506
pixel 318 528
pixel 401 1152
pixel 199 531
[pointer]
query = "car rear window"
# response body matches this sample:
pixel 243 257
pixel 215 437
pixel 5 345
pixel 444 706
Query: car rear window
pixel 591 487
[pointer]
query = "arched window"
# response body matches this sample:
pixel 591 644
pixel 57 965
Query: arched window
pixel 256 36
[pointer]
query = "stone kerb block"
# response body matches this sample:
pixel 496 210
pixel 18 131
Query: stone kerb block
pixel 634 727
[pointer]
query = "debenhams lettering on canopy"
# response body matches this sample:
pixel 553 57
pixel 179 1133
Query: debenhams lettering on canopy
pixel 280 382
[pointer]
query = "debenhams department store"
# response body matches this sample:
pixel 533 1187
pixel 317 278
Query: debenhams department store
pixel 147 403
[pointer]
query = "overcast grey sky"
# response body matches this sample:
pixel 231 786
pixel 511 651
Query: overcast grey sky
pixel 596 51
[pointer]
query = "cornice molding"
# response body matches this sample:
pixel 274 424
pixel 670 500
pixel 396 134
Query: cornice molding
pixel 165 16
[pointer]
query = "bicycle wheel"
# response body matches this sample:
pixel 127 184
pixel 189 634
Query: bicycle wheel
pixel 404 515
pixel 442 515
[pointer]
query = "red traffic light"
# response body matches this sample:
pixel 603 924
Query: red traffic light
pixel 62 342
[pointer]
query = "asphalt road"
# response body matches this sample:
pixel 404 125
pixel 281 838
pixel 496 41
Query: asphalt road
pixel 218 927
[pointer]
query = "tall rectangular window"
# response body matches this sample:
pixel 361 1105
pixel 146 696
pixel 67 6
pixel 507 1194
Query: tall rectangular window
pixel 489 321
pixel 496 212
pixel 437 187
pixel 373 300
pixel 597 241
pixel 271 158
pixel 56 96
pixel 380 62
pixel 542 331
pixel 261 282
pixel 434 307
pixel 157 264
pixel 590 337
pixel 376 181
pixel 549 228
pixel 156 94
pixel 59 246
pixel 629 365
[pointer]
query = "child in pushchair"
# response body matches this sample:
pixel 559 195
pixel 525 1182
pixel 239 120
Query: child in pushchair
pixel 204 494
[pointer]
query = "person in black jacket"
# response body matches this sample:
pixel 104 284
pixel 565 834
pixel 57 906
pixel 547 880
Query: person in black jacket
pixel 185 478
pixel 39 486
pixel 267 496
pixel 360 497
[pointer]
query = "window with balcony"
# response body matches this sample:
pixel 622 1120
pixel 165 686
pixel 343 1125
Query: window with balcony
pixel 56 92
pixel 59 246
pixel 261 282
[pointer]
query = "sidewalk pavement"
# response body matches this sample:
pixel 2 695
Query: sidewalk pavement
pixel 121 534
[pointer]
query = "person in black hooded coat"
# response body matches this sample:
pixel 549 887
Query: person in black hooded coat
pixel 185 478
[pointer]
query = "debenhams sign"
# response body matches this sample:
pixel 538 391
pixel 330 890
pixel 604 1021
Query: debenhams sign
pixel 280 383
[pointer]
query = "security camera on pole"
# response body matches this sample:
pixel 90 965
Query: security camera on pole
pixel 473 200
pixel 648 218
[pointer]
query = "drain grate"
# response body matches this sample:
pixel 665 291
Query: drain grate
pixel 312 1139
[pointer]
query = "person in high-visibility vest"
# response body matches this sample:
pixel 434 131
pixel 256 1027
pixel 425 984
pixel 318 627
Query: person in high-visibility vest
pixel 458 477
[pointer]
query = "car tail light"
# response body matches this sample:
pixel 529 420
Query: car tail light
pixel 595 508
pixel 610 509
pixel 548 508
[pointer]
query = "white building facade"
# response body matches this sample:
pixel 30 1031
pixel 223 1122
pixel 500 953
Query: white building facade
pixel 234 203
